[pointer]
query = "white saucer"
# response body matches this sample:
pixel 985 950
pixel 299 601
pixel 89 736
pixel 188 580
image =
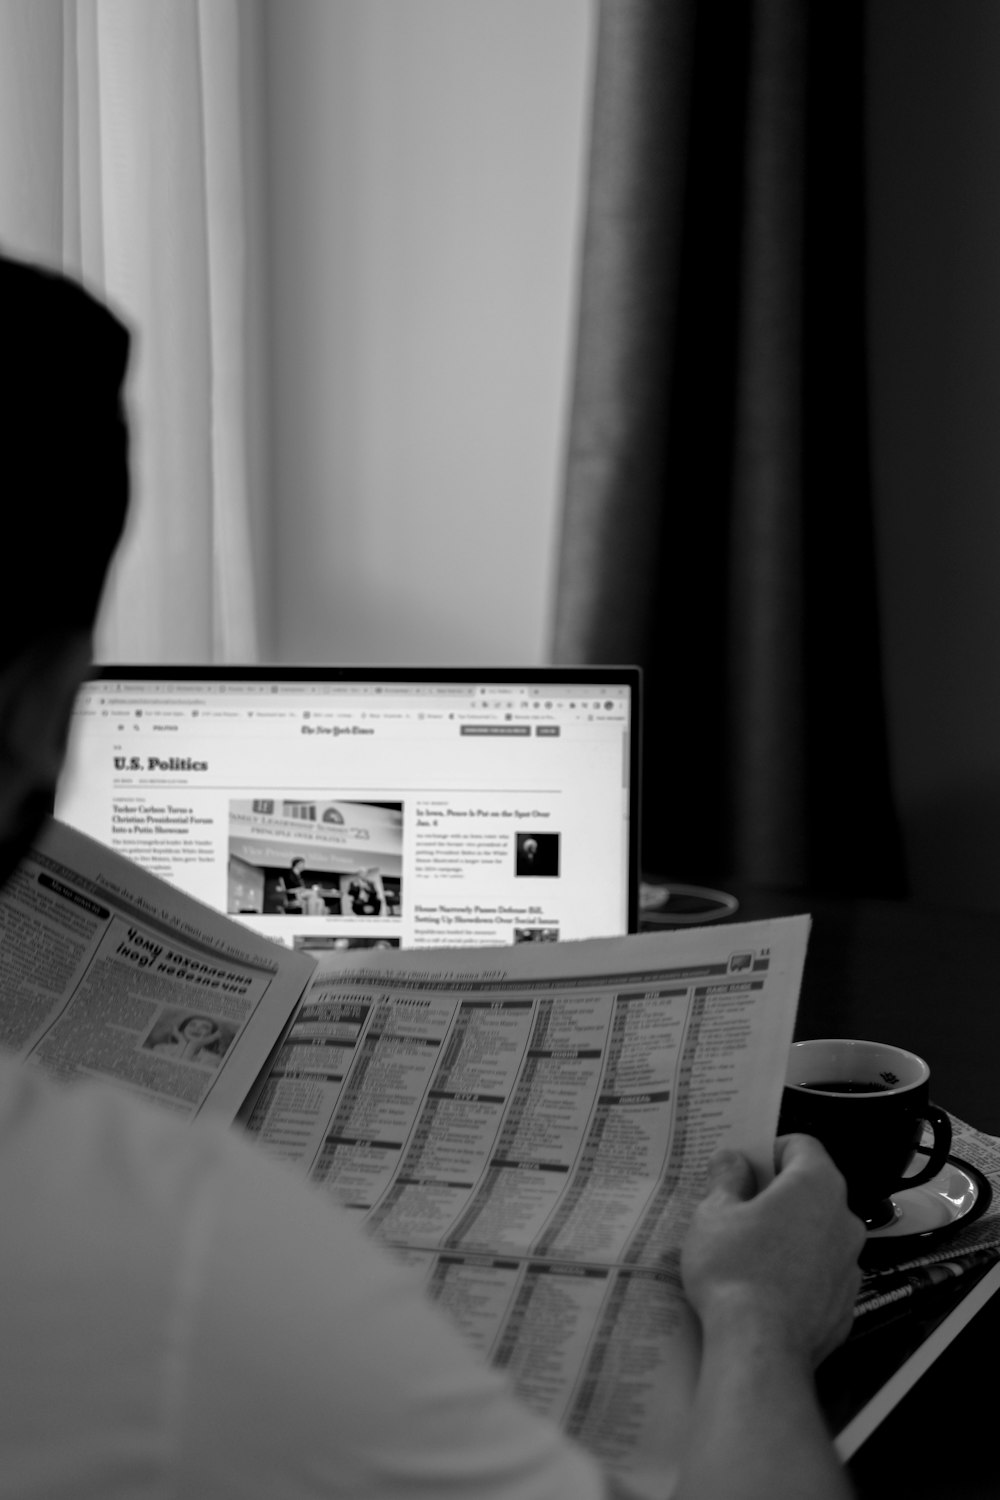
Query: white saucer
pixel 952 1199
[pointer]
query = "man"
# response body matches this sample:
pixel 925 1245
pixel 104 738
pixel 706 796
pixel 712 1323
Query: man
pixel 363 894
pixel 182 1316
pixel 293 886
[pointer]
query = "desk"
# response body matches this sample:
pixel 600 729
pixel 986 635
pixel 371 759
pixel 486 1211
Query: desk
pixel 929 980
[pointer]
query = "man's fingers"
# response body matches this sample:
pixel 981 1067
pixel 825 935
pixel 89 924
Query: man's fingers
pixel 796 1155
pixel 802 1158
pixel 793 1148
pixel 730 1173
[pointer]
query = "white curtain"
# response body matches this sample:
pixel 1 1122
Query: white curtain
pixel 122 161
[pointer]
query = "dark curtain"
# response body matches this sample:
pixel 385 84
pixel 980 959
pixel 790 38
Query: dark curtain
pixel 717 525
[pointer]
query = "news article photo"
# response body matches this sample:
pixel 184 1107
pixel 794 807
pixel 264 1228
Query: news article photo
pixel 536 934
pixel 315 856
pixel 190 1036
pixel 536 854
pixel 321 942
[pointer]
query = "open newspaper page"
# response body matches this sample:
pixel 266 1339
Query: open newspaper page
pixel 109 973
pixel 530 1127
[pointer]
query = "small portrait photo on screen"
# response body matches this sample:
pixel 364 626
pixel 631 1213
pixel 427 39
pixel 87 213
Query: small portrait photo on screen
pixel 536 854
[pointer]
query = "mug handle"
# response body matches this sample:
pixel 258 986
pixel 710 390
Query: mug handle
pixel 941 1126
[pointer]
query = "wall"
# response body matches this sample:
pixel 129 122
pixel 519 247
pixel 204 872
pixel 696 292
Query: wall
pixel 934 127
pixel 425 179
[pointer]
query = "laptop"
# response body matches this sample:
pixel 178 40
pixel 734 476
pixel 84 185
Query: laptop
pixel 361 807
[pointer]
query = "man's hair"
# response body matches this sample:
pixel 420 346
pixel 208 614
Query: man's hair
pixel 63 358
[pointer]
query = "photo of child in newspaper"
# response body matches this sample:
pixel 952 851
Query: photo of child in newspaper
pixel 191 1037
pixel 315 857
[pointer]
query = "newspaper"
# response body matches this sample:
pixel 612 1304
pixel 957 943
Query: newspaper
pixel 110 973
pixel 529 1127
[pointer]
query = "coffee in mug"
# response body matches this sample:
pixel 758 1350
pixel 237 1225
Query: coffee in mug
pixel 868 1103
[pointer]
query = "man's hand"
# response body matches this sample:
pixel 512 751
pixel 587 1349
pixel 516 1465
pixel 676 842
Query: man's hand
pixel 783 1260
pixel 772 1275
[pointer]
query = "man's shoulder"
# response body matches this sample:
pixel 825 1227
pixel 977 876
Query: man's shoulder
pixel 93 1164
pixel 210 1311
pixel 96 1145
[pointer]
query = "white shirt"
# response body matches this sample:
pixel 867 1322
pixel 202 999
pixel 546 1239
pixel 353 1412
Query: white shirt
pixel 180 1317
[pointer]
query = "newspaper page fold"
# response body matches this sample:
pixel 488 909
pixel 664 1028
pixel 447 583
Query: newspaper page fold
pixel 110 973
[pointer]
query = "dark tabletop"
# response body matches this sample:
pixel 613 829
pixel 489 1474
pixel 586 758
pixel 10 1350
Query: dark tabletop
pixel 927 979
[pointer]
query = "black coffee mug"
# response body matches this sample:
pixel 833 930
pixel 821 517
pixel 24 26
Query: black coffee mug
pixel 868 1103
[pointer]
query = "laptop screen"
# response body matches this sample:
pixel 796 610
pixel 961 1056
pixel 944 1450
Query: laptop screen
pixel 338 808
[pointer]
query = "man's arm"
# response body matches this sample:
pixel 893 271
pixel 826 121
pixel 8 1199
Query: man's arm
pixel 773 1277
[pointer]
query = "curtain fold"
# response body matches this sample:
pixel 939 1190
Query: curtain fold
pixel 717 515
pixel 121 162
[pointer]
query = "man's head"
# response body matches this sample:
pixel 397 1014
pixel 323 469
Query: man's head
pixel 65 450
